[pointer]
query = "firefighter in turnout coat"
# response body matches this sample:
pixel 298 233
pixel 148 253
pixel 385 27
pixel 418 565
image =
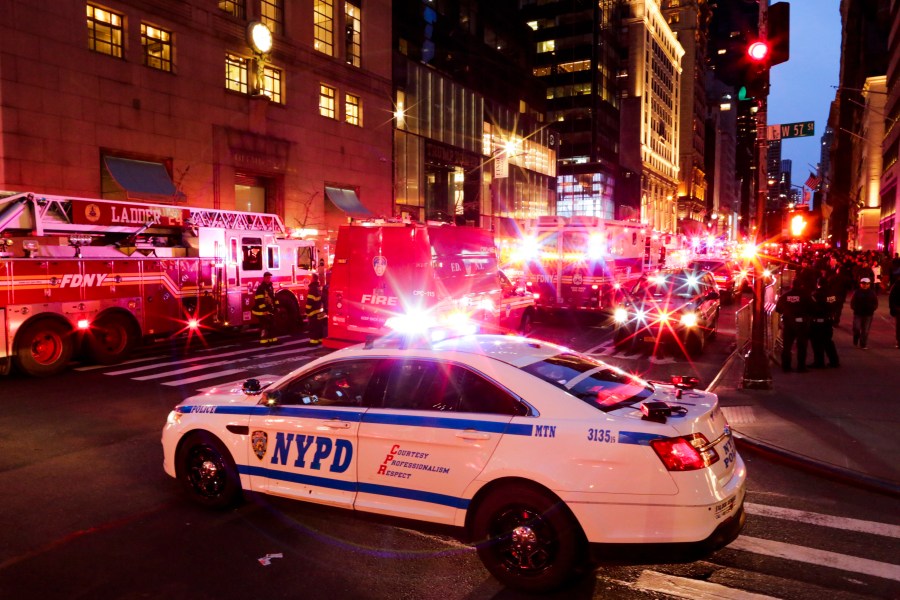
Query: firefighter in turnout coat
pixel 315 312
pixel 264 306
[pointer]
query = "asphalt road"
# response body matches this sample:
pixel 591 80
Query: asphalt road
pixel 87 511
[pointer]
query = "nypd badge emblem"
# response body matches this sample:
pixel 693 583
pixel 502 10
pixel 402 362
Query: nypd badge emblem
pixel 259 440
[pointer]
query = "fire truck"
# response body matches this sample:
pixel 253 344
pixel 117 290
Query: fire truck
pixel 429 273
pixel 581 263
pixel 99 277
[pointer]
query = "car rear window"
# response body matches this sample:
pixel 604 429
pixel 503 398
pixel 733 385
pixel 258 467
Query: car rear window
pixel 681 285
pixel 600 385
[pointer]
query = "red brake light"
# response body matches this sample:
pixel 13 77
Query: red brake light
pixel 686 453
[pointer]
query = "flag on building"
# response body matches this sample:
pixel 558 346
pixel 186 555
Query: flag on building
pixel 812 182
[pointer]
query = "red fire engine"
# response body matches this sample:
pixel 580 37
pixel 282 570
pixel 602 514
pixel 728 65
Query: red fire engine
pixel 579 263
pixel 102 276
pixel 440 273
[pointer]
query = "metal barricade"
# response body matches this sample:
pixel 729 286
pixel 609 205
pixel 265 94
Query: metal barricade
pixel 744 317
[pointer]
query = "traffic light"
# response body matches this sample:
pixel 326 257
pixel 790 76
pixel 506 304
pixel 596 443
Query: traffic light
pixel 755 77
pixel 778 32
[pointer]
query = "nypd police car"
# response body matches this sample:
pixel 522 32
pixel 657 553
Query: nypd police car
pixel 533 450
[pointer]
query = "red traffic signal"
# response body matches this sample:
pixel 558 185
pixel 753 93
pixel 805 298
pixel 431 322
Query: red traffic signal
pixel 758 51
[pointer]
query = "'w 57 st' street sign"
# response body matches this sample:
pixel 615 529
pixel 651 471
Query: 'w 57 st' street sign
pixel 791 130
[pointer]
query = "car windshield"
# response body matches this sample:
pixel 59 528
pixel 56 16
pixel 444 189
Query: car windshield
pixel 679 285
pixel 600 385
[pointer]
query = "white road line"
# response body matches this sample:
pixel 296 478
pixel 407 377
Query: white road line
pixel 595 348
pixel 200 367
pixel 790 514
pixel 204 377
pixel 127 362
pixel 823 558
pixel 187 360
pixel 695 589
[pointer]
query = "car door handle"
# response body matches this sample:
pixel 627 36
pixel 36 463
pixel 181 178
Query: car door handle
pixel 471 434
pixel 335 424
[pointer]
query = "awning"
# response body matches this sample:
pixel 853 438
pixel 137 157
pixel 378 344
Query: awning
pixel 141 177
pixel 347 201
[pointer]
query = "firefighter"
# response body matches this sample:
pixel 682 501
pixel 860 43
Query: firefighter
pixel 315 311
pixel 264 307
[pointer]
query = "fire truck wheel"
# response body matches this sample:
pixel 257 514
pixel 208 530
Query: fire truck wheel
pixel 43 347
pixel 111 339
pixel 527 323
pixel 287 319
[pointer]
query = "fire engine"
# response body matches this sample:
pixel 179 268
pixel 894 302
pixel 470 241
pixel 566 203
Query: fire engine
pixel 580 263
pixel 444 274
pixel 102 276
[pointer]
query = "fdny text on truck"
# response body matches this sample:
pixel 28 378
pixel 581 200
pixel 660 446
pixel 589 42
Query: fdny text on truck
pixel 100 276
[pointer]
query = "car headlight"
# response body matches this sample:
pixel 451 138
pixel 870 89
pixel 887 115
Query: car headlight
pixel 640 315
pixel 663 317
pixel 174 418
pixel 620 315
pixel 689 319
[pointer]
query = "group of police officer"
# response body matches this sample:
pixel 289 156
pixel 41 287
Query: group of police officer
pixel 809 310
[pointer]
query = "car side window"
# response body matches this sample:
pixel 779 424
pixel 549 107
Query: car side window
pixel 436 386
pixel 341 384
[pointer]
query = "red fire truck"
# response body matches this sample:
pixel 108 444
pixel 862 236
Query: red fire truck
pixel 101 276
pixel 439 273
pixel 579 263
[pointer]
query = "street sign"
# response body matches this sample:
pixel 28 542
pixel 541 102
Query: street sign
pixel 791 130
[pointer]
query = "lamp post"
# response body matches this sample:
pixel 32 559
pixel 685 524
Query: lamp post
pixel 757 374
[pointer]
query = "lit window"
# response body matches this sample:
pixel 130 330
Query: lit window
pixel 105 31
pixel 547 46
pixel 352 35
pixel 271 13
pixel 157 44
pixel 236 73
pixel 272 84
pixel 327 97
pixel 353 110
pixel 323 26
pixel 234 7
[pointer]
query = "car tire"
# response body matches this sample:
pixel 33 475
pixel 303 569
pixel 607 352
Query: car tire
pixel 43 347
pixel 207 471
pixel 528 539
pixel 695 343
pixel 527 323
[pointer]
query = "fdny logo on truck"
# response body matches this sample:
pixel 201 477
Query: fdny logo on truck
pixel 379 263
pixel 77 280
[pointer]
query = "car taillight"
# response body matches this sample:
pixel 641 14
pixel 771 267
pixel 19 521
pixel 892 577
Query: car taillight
pixel 685 453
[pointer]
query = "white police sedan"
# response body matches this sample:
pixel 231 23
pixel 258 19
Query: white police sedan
pixel 533 450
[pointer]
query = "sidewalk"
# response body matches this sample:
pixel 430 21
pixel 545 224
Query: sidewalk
pixel 843 422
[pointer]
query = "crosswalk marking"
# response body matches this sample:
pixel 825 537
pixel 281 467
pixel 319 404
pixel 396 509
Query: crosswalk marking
pixel 127 362
pixel 765 510
pixel 695 589
pixel 823 558
pixel 181 371
pixel 203 377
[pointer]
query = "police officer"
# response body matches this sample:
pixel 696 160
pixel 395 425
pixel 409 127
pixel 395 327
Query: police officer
pixel 821 328
pixel 264 306
pixel 315 311
pixel 795 307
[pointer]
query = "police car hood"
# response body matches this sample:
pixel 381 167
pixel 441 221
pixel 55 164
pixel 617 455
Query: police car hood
pixel 230 394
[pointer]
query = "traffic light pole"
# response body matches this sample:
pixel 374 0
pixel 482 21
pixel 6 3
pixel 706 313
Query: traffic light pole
pixel 757 374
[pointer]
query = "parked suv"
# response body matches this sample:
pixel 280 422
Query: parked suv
pixel 675 306
pixel 727 273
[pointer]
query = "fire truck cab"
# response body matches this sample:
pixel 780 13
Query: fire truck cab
pixel 581 263
pixel 442 272
pixel 101 276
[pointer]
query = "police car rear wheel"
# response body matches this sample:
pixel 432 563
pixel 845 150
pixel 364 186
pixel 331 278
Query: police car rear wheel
pixel 206 470
pixel 528 539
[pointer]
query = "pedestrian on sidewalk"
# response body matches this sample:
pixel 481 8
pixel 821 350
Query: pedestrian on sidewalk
pixel 795 307
pixel 894 305
pixel 863 303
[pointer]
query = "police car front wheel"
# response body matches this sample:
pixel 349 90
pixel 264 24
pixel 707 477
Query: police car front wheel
pixel 207 471
pixel 528 539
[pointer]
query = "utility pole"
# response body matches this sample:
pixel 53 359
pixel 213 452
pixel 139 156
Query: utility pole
pixel 757 374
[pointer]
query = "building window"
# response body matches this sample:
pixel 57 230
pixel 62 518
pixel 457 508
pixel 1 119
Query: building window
pixel 272 84
pixel 547 46
pixel 323 26
pixel 327 97
pixel 271 13
pixel 157 44
pixel 236 73
pixel 353 33
pixel 234 7
pixel 353 110
pixel 105 31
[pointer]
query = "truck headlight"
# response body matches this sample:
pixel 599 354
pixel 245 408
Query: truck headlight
pixel 689 319
pixel 620 315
